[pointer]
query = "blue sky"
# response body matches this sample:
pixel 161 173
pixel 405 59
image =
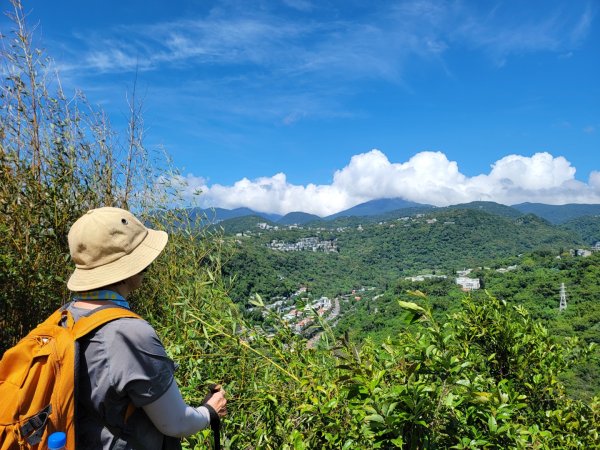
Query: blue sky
pixel 320 105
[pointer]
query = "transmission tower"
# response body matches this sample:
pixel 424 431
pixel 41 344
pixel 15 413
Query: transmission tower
pixel 563 298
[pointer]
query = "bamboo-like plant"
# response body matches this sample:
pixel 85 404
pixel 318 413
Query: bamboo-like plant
pixel 59 157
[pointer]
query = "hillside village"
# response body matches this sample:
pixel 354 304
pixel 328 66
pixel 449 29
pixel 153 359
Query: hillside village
pixel 316 244
pixel 310 244
pixel 313 243
pixel 405 221
pixel 303 312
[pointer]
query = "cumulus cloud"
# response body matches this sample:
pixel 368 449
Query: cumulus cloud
pixel 427 177
pixel 595 180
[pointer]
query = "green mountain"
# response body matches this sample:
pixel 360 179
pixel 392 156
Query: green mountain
pixel 533 281
pixel 588 227
pixel 389 208
pixel 376 254
pixel 244 224
pixel 450 239
pixel 377 207
pixel 490 207
pixel 214 215
pixel 559 213
pixel 298 218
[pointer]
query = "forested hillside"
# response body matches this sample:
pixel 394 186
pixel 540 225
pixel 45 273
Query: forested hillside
pixel 558 214
pixel 534 282
pixel 380 253
pixel 588 227
pixel 385 209
pixel 384 255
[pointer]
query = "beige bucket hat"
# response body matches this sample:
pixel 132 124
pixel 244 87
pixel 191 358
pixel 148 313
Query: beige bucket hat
pixel 109 245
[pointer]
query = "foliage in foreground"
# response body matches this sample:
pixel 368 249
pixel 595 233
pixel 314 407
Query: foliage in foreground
pixel 59 157
pixel 488 377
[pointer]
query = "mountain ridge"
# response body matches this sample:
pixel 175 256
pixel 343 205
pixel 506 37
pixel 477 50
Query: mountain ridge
pixel 392 207
pixel 558 214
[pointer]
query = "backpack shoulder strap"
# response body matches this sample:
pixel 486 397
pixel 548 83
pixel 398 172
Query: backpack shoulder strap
pixel 86 324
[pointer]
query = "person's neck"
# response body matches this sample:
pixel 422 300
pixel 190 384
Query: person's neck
pixel 89 304
pixel 120 288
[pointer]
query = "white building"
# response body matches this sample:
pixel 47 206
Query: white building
pixel 468 284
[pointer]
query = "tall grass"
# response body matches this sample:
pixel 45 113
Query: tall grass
pixel 59 157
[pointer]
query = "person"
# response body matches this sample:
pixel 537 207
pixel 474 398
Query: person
pixel 123 366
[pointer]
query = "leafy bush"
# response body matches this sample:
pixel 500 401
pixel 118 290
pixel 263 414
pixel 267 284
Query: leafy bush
pixel 487 377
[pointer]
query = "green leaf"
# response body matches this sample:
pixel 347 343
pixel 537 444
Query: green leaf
pixel 411 306
pixel 409 317
pixel 375 418
pixel 492 424
pixel 257 301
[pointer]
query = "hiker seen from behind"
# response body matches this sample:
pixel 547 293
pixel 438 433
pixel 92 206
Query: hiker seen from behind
pixel 127 395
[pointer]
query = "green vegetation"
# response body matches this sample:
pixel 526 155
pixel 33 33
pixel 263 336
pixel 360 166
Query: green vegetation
pixel 557 214
pixel 379 254
pixel 588 227
pixel 489 377
pixel 58 158
pixel 446 371
pixel 533 284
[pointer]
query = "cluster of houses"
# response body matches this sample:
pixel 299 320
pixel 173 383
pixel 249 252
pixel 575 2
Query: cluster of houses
pixel 305 244
pixel 470 284
pixel 407 219
pixel 302 318
pixel 467 283
pixel 462 279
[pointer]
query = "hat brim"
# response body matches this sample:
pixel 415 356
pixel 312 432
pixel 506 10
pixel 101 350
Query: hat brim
pixel 121 269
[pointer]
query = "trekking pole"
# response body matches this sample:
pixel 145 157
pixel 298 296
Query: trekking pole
pixel 215 420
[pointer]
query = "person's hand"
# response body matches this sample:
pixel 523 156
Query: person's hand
pixel 218 402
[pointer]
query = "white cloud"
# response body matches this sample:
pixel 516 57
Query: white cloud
pixel 541 171
pixel 427 177
pixel 504 31
pixel 275 194
pixel 584 24
pixel 594 181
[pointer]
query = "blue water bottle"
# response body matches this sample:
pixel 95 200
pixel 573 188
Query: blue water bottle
pixel 57 440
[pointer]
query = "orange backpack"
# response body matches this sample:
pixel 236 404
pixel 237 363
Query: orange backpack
pixel 37 380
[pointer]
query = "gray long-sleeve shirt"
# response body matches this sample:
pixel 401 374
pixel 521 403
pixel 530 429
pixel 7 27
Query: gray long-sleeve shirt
pixel 121 362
